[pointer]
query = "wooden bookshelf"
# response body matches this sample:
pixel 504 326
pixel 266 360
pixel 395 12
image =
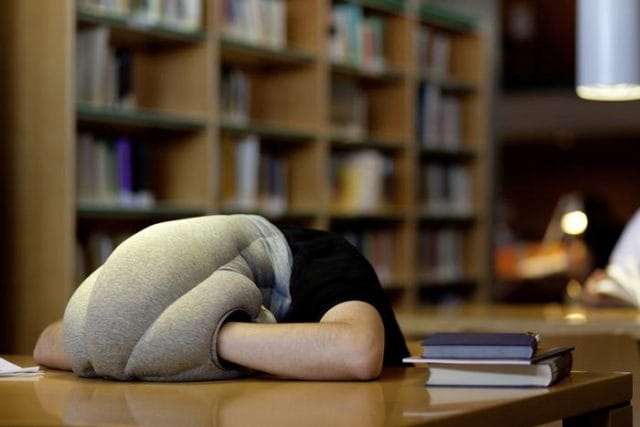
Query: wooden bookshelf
pixel 208 98
pixel 458 158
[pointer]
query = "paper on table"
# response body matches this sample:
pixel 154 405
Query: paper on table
pixel 8 369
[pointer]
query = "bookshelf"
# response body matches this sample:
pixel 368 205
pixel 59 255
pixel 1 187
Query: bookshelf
pixel 286 118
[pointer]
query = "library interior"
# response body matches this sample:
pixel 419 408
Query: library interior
pixel 448 141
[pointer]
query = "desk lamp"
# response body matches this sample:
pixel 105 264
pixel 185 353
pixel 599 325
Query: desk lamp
pixel 568 219
pixel 608 50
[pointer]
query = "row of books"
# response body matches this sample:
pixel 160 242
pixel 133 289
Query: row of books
pixel 441 254
pixel 113 171
pixel 235 95
pixel 482 359
pixel 377 245
pixel 254 179
pixel 348 108
pixel 433 50
pixel 439 119
pixel 356 38
pixel 360 180
pixel 445 189
pixel 185 15
pixel 103 72
pixel 261 22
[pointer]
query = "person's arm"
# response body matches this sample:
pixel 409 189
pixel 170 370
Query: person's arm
pixel 49 349
pixel 347 344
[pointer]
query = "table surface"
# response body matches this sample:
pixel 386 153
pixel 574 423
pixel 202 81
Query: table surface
pixel 541 318
pixel 604 338
pixel 398 398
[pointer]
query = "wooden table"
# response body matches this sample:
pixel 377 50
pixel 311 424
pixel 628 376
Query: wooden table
pixel 397 399
pixel 541 318
pixel 604 338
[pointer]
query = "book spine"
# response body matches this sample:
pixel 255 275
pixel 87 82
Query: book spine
pixel 261 22
pixel 445 189
pixel 124 95
pixel 273 184
pixel 235 95
pixel 359 181
pixel 86 168
pixel 377 247
pixel 561 367
pixel 247 164
pixel 142 174
pixel 442 254
pixel 125 172
pixel 348 109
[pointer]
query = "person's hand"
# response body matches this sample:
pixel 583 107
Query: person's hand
pixel 49 350
pixel 592 296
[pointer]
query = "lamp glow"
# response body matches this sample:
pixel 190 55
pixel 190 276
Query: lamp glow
pixel 574 222
pixel 618 92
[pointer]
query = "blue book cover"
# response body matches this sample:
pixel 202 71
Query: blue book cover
pixel 480 345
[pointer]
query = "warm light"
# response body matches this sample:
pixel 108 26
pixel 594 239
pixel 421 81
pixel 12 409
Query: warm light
pixel 574 222
pixel 574 289
pixel 616 92
pixel 575 318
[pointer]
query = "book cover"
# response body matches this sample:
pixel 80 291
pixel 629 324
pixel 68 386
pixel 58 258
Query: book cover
pixel 541 374
pixel 480 345
pixel 539 355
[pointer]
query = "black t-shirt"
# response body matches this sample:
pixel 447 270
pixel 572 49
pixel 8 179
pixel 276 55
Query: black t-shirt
pixel 327 270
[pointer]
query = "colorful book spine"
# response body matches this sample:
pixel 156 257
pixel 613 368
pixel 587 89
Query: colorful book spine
pixel 359 181
pixel 182 15
pixel 356 38
pixel 125 172
pixel 261 22
pixel 113 171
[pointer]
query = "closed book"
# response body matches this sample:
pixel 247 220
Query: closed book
pixel 480 345
pixel 541 374
pixel 539 355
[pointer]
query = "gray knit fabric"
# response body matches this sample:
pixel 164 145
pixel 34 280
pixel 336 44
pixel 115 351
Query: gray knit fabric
pixel 275 290
pixel 153 310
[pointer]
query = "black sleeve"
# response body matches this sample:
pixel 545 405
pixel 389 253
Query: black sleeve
pixel 327 270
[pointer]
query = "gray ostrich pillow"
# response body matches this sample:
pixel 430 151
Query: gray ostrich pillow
pixel 153 310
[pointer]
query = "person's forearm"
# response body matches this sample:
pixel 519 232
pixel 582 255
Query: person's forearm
pixel 49 349
pixel 329 350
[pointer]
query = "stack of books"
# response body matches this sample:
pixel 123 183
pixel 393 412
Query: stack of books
pixel 492 360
